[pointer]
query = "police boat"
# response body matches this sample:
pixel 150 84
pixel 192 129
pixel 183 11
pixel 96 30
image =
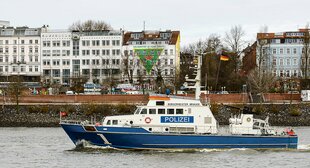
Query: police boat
pixel 172 122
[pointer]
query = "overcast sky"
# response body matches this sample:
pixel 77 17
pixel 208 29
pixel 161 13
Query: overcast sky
pixel 196 19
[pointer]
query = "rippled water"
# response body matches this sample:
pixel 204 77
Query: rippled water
pixel 50 147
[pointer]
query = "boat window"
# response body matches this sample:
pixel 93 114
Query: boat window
pixel 152 111
pixel 160 103
pixel 115 122
pixel 170 111
pixel 143 111
pixel 109 122
pixel 137 110
pixel 179 111
pixel 161 111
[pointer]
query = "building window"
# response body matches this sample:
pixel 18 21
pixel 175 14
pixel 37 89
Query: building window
pixel 294 51
pixel 66 43
pixel 281 61
pixel 46 43
pixel 22 68
pixel 288 51
pixel 274 51
pixel 288 62
pixel 274 62
pixel 30 50
pixel 56 43
pixel 22 58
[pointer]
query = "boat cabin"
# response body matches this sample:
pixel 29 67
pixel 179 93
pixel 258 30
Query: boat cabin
pixel 169 114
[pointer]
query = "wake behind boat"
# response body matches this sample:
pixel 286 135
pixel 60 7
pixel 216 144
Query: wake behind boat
pixel 171 122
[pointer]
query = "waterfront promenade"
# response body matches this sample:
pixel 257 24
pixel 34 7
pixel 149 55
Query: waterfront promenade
pixel 142 99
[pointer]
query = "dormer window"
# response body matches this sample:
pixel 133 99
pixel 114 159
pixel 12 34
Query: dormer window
pixel 135 35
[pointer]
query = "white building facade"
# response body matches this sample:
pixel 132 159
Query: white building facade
pixel 20 53
pixel 94 55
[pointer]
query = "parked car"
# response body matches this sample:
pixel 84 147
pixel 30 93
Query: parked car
pixel 69 92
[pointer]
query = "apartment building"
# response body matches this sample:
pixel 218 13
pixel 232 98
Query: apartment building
pixel 151 54
pixel 20 53
pixel 282 53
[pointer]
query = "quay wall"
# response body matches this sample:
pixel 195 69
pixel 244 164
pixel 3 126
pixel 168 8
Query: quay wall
pixel 47 115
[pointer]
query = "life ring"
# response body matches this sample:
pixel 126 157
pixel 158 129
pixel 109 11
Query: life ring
pixel 248 119
pixel 147 120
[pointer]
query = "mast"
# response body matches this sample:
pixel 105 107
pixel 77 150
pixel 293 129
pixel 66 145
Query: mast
pixel 197 72
pixel 198 78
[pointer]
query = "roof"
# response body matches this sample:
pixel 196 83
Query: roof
pixel 171 36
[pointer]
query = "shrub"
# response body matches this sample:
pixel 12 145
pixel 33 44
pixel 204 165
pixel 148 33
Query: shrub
pixel 295 111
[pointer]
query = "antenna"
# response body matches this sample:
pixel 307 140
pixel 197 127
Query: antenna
pixel 143 25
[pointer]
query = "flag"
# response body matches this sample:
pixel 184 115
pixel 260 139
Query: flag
pixel 148 57
pixel 63 114
pixel 224 58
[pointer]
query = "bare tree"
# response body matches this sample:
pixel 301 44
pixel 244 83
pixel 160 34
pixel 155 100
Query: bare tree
pixel 90 25
pixel 306 51
pixel 233 39
pixel 261 82
pixel 129 66
pixel 199 46
pixel 263 53
pixel 15 89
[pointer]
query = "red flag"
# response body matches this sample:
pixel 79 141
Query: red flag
pixel 63 114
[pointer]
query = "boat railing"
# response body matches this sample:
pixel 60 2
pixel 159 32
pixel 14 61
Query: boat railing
pixel 70 122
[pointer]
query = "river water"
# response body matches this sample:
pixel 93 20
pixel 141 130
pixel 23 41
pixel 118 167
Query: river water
pixel 50 147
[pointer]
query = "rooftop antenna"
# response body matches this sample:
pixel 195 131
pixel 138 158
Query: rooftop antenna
pixel 144 25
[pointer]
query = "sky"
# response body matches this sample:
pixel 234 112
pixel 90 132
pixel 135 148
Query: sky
pixel 195 19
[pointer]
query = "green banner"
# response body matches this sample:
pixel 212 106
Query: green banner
pixel 148 57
